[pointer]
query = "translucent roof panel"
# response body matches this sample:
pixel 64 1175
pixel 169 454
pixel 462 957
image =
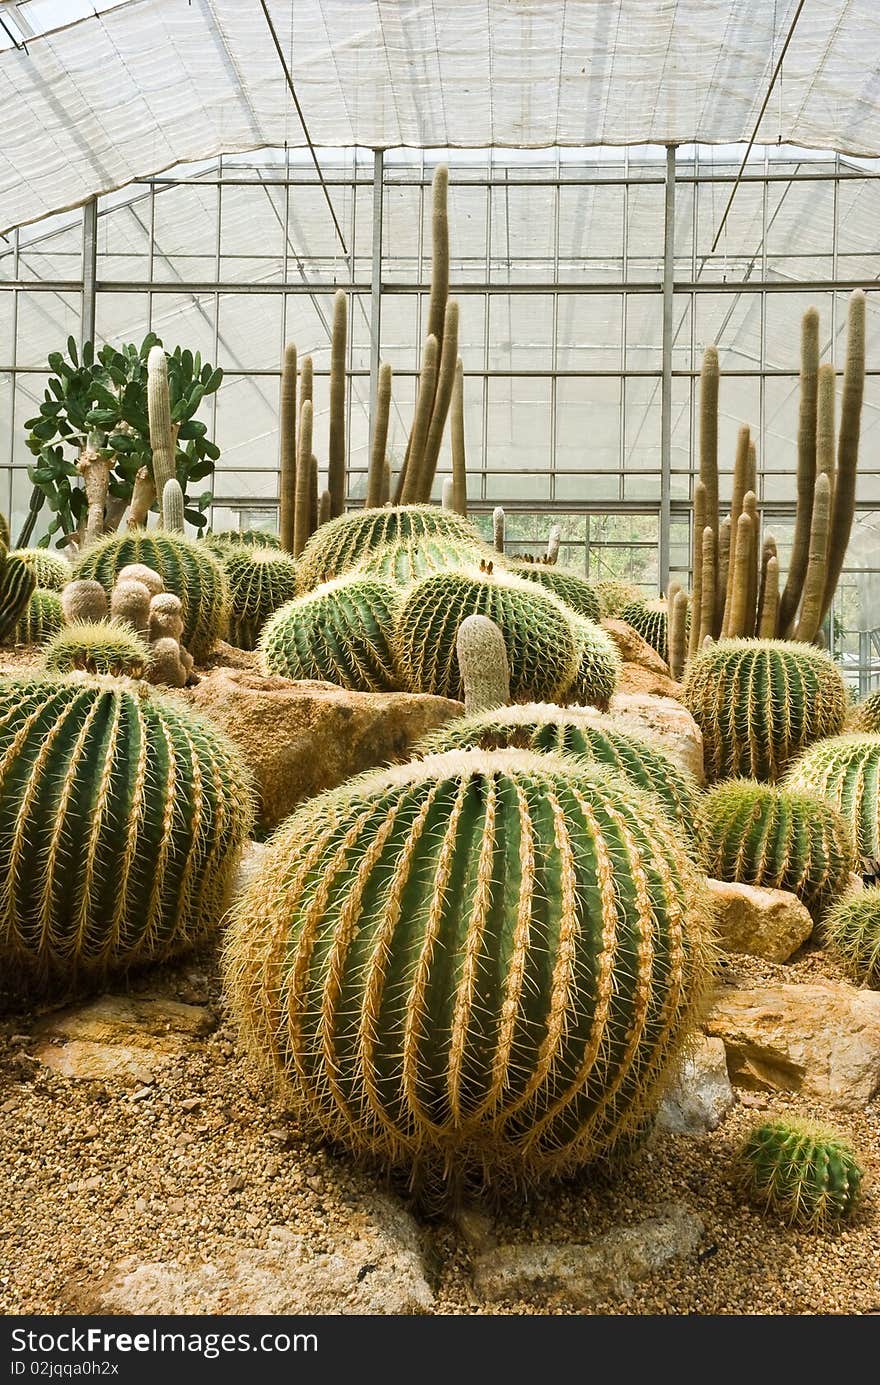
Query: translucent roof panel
pixel 133 89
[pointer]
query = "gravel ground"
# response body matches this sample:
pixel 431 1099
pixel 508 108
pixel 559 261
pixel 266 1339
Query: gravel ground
pixel 90 1175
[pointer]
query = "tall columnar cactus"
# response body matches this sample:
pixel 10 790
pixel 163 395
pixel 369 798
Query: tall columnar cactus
pixel 442 398
pixel 404 561
pixel 41 618
pixel 287 446
pixel 741 483
pixel 679 622
pixel 162 432
pixel 698 532
pixel 475 967
pixel 482 661
pixel 457 441
pixel 759 703
pixel 814 578
pixel 303 527
pixel 188 569
pixel 844 496
pixel 806 470
pixel 375 478
pixel 260 581
pixel 583 733
pixel 5 538
pixel 599 667
pixel 539 635
pixel 779 838
pixel 336 452
pixel 408 487
pixel 709 376
pixel 845 771
pixel 498 529
pixel 17 585
pixel 851 933
pixel 100 646
pixel 342 632
pixel 51 571
pixel 570 587
pixel 804 1172
pixel 121 818
pixel 344 543
pixel 173 507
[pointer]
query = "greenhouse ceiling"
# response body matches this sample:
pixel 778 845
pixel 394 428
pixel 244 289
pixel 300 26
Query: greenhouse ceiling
pixel 95 95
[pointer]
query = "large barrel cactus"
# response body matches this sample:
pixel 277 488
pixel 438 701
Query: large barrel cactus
pixel 845 770
pixel 41 618
pixel 188 569
pixel 406 560
pixel 542 646
pixel 342 632
pixel 121 816
pixel 598 666
pixel 51 571
pixel 570 587
pixel 784 839
pixel 475 967
pixel 865 715
pixel 221 540
pixel 260 581
pixel 17 585
pixel 344 542
pixel 580 732
pixel 759 703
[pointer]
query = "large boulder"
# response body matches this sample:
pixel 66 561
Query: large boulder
pixel 634 678
pixel 301 738
pixel 821 1039
pixel 764 923
pixel 664 719
pixel 632 648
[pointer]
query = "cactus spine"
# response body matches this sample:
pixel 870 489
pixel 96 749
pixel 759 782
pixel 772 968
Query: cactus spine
pixel 162 432
pixel 51 571
pixel 260 581
pixel 569 586
pixel 482 661
pixel 104 646
pixel 449 974
pixel 287 431
pixel 804 1172
pixel 375 478
pixel 303 518
pixel 336 454
pixel 459 455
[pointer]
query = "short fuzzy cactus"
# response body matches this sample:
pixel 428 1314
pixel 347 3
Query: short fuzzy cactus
pixel 121 818
pixel 759 703
pixel 780 838
pixel 130 602
pixel 84 599
pixel 475 967
pixel 845 771
pixel 17 586
pixel 187 568
pixel 51 571
pixel 260 581
pixel 482 661
pixel 406 560
pixel 342 632
pixel 570 587
pixel 41 619
pixel 101 646
pixel 598 667
pixel 543 650
pixel 584 733
pixel 345 542
pixel 804 1172
pixel 851 933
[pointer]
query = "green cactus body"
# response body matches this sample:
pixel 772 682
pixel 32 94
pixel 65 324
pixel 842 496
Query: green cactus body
pixel 851 933
pixel 17 586
pixel 614 594
pixel 406 560
pixel 51 572
pixel 599 667
pixel 845 771
pixel 221 541
pixel 865 716
pixel 121 816
pixel 804 1172
pixel 570 587
pixel 42 618
pixel 99 646
pixel 650 621
pixel 188 569
pixel 759 703
pixel 580 732
pixel 539 634
pixel 342 632
pixel 260 581
pixel 761 834
pixel 345 542
pixel 475 967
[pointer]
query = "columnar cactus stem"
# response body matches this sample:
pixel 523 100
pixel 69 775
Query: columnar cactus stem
pixel 302 527
pixel 738 619
pixel 707 588
pixel 725 544
pixel 699 524
pixel 386 482
pixel 314 496
pixel 442 397
pixel 709 443
pixel 173 506
pixel 817 565
pixel 411 473
pixel 336 453
pixel 325 506
pixel 553 541
pixel 376 474
pixel 143 493
pixel 806 470
pixel 287 429
pixel 768 551
pixel 447 494
pixel 306 389
pixel 498 529
pixel 439 257
pixel 482 659
pixel 740 486
pixel 769 599
pixel 750 507
pixel 825 422
pixel 678 634
pixel 459 458
pixel 844 497
pixel 162 435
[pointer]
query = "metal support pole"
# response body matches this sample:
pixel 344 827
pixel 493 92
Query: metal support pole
pixel 376 284
pixel 666 383
pixel 90 269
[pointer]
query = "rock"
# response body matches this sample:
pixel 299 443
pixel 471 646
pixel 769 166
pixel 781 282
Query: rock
pixel 583 1275
pixel 642 681
pixel 821 1039
pixel 664 719
pixel 764 923
pixel 300 738
pixel 121 1037
pixel 252 854
pixel 632 648
pixel 377 1268
pixel 700 1094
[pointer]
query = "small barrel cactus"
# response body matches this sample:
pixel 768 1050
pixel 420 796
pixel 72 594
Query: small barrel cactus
pixel 406 560
pixel 802 1171
pixel 260 581
pixel 543 651
pixel 865 716
pixel 845 771
pixel 187 567
pixel 851 933
pixel 17 586
pixel 224 539
pixel 342 632
pixel 577 593
pixel 583 733
pixel 759 703
pixel 121 817
pixel 598 668
pixel 101 646
pixel 476 967
pixel 783 839
pixel 344 542
pixel 41 619
pixel 650 620
pixel 51 571
pixel 614 594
